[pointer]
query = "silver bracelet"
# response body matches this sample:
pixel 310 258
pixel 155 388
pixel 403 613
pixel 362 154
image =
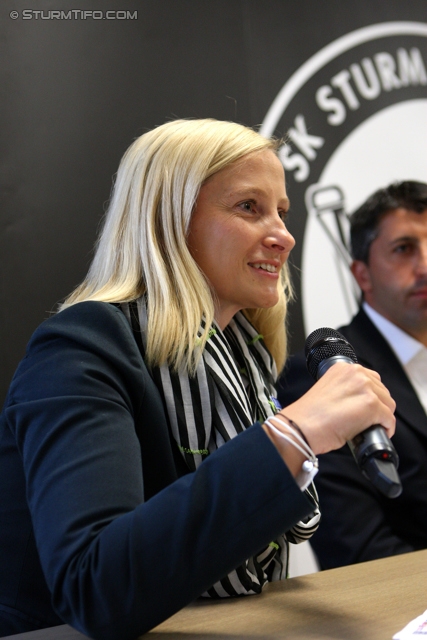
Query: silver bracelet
pixel 298 441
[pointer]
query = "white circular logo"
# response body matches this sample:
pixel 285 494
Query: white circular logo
pixel 356 120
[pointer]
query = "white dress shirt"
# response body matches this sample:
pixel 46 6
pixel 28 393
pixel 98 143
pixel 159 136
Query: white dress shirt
pixel 411 354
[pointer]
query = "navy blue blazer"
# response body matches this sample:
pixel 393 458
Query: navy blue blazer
pixel 359 523
pixel 100 526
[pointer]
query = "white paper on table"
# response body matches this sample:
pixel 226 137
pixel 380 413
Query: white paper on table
pixel 417 628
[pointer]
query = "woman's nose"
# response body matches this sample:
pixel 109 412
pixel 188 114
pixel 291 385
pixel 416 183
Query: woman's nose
pixel 279 238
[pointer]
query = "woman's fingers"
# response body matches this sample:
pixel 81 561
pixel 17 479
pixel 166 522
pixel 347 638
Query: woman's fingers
pixel 346 400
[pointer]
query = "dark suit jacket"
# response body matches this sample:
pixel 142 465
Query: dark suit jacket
pixel 100 527
pixel 358 523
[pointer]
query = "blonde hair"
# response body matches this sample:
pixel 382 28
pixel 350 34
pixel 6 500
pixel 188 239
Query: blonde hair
pixel 142 247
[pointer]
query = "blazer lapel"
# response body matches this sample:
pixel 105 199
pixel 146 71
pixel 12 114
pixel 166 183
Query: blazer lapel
pixel 373 351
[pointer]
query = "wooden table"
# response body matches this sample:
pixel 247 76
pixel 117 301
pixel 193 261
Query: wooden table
pixel 368 601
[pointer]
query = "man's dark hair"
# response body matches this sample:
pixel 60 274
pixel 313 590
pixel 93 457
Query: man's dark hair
pixel 364 222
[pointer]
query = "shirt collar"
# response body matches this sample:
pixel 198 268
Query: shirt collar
pixel 404 346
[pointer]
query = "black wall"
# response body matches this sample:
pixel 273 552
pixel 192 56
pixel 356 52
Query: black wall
pixel 76 92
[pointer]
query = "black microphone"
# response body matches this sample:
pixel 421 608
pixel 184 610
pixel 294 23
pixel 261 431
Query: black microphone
pixel 372 449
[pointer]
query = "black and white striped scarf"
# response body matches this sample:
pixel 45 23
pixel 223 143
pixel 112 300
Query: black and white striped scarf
pixel 233 387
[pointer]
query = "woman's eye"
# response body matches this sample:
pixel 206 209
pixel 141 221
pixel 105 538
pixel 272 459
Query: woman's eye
pixel 283 215
pixel 248 206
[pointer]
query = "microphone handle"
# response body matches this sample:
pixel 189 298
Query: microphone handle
pixel 372 449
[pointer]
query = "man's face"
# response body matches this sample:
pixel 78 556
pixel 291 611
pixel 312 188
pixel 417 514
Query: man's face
pixel 394 281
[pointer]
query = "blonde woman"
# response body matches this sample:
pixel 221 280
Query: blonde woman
pixel 143 457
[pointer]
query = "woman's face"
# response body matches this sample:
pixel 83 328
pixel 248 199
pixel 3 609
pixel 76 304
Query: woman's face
pixel 237 233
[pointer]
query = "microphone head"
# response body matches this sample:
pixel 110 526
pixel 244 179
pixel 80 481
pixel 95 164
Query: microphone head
pixel 325 343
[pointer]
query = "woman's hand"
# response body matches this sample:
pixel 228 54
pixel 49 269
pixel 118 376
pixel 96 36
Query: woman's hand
pixel 346 400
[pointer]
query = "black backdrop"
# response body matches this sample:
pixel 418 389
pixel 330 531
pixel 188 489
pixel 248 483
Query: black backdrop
pixel 76 92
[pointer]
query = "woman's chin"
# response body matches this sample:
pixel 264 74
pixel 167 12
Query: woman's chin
pixel 266 303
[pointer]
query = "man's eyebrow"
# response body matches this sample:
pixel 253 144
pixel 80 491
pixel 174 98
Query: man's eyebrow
pixel 404 239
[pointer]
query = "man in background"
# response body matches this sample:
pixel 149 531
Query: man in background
pixel 389 334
